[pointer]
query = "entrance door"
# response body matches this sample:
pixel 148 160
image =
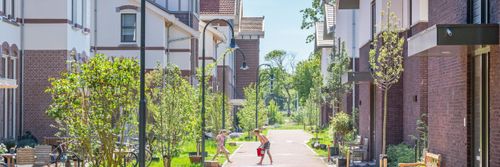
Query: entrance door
pixel 481 110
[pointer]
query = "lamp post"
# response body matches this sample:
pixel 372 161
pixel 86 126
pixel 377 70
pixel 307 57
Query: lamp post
pixel 231 45
pixel 142 101
pixel 242 67
pixel 257 93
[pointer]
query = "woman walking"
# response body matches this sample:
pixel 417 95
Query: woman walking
pixel 221 148
pixel 264 145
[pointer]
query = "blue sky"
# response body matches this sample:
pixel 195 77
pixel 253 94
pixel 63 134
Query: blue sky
pixel 282 26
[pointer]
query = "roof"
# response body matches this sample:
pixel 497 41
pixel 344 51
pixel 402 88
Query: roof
pixel 320 41
pixel 217 7
pixel 216 33
pixel 330 17
pixel 252 26
pixel 169 17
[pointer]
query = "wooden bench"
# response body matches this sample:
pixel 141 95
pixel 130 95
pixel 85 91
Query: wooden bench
pixel 431 160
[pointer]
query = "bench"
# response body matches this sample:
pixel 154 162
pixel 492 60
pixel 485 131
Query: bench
pixel 430 160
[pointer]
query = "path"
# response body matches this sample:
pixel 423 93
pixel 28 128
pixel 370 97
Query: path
pixel 288 148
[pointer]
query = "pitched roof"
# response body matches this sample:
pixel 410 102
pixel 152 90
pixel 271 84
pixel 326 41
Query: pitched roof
pixel 252 26
pixel 320 41
pixel 217 7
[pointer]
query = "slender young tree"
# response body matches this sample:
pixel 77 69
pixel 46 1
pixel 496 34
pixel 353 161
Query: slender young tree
pixel 386 60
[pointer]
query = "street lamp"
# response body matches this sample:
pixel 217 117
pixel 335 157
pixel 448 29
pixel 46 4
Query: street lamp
pixel 231 45
pixel 242 67
pixel 142 101
pixel 257 93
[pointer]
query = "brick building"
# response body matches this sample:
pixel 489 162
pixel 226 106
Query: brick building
pixel 451 74
pixel 40 38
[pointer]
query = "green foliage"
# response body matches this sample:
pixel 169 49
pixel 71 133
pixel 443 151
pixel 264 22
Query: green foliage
pixel 275 116
pixel 299 117
pixel 341 125
pixel 312 15
pixel 173 105
pixel 386 60
pixel 214 112
pixel 93 106
pixel 311 110
pixel 401 153
pixel 307 76
pixel 3 148
pixel 246 115
pixel 334 89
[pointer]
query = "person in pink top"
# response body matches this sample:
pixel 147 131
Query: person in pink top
pixel 221 148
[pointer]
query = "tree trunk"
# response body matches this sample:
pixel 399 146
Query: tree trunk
pixel 167 162
pixel 384 126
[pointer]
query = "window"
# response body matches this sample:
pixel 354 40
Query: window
pixel 128 27
pixel 73 11
pixel 479 11
pixel 373 19
pixel 4 6
pixel 84 12
pixel 13 9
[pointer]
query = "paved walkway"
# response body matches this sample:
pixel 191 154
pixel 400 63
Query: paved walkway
pixel 288 148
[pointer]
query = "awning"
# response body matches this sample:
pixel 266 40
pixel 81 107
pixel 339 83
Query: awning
pixel 446 37
pixel 348 4
pixel 8 83
pixel 353 77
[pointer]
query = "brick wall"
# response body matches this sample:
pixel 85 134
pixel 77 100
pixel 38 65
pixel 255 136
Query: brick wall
pixel 494 106
pixel 40 65
pixel 364 94
pixel 244 77
pixel 448 106
pixel 447 12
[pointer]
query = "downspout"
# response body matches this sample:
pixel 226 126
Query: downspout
pixel 353 52
pixel 95 27
pixel 21 71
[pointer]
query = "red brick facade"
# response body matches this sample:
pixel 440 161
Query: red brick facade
pixel 40 65
pixel 245 77
pixel 494 107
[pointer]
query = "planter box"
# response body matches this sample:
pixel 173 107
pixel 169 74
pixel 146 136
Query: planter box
pixel 212 164
pixel 195 158
pixel 334 151
pixel 233 144
pixel 341 162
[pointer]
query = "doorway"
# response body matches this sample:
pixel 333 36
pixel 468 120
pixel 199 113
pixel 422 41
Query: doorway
pixel 480 116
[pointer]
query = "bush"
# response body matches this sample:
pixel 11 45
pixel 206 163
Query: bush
pixel 401 153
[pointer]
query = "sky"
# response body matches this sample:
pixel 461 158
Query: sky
pixel 282 26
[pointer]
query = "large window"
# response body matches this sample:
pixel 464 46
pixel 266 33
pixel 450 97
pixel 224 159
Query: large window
pixel 481 110
pixel 128 27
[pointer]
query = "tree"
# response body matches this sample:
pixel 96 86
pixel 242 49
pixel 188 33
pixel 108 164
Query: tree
pixel 386 60
pixel 334 88
pixel 275 116
pixel 214 112
pixel 312 15
pixel 278 59
pixel 307 72
pixel 94 105
pixel 173 105
pixel 246 115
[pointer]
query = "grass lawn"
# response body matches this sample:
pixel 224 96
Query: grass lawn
pixel 324 138
pixel 183 159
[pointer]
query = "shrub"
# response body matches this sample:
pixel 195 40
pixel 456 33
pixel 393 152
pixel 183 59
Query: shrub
pixel 401 153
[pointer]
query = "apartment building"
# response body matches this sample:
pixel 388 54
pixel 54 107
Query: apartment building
pixel 39 39
pixel 248 32
pixel 337 30
pixel 450 61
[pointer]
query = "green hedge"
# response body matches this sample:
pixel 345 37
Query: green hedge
pixel 401 153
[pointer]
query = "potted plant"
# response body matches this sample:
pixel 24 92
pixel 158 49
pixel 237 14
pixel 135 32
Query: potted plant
pixel 195 157
pixel 341 127
pixel 3 150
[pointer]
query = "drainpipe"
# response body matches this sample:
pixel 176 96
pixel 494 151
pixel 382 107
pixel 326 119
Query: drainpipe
pixel 21 71
pixel 95 27
pixel 353 52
